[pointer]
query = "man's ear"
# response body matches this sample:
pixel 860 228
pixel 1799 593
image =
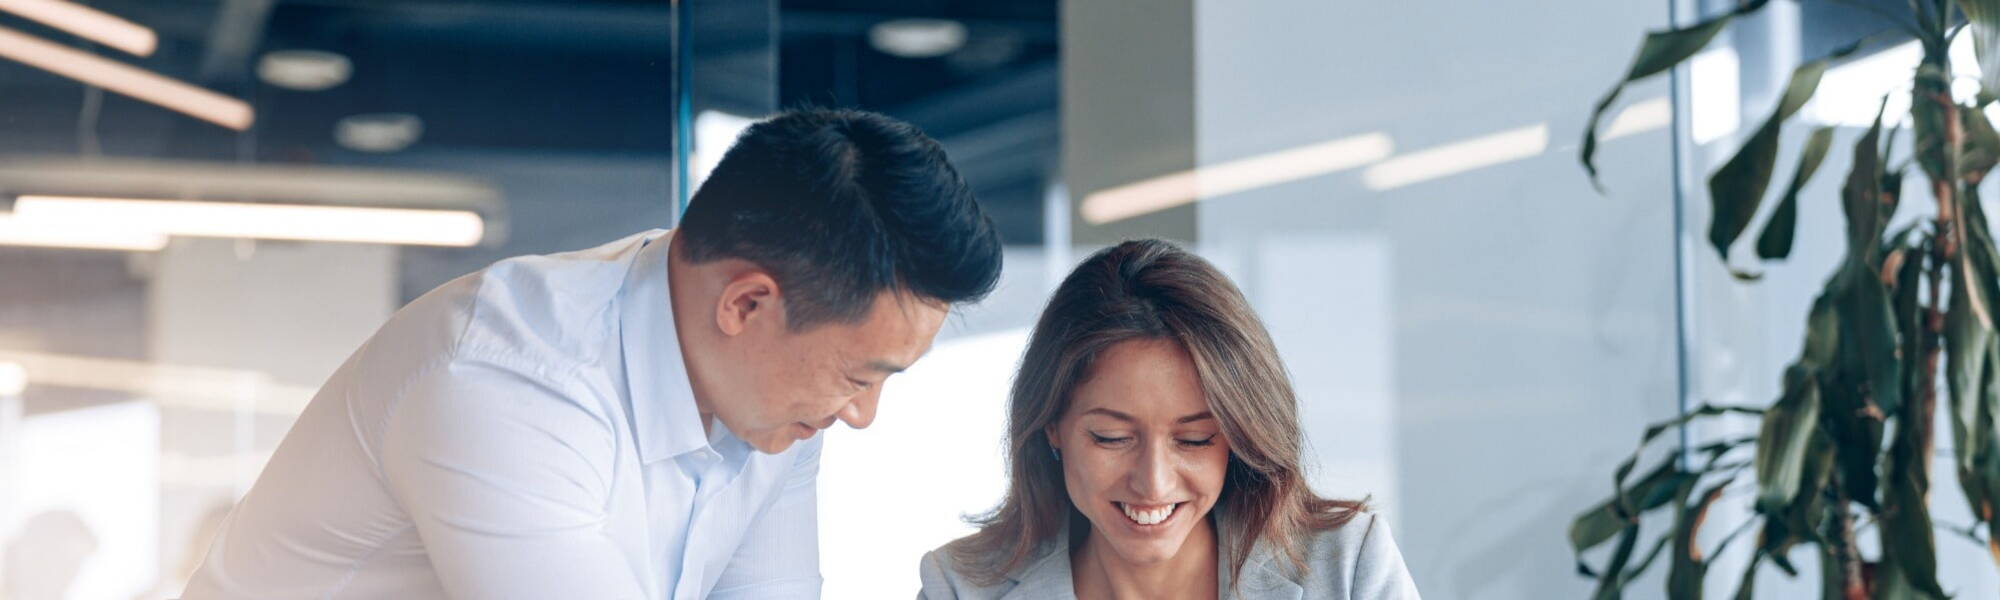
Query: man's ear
pixel 750 296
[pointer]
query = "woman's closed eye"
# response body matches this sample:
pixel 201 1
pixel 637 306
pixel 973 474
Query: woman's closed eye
pixel 1110 441
pixel 1119 441
pixel 1198 442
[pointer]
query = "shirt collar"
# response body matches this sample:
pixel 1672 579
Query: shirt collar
pixel 664 416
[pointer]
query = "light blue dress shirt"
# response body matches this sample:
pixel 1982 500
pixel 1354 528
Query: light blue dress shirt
pixel 526 431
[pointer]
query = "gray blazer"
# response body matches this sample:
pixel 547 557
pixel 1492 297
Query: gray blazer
pixel 1357 561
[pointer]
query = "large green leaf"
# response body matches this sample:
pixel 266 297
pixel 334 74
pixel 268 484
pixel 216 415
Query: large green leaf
pixel 1966 339
pixel 1804 519
pixel 1984 477
pixel 1607 519
pixel 1689 567
pixel 1736 189
pixel 1611 583
pixel 1909 544
pixel 1860 196
pixel 1983 17
pixel 1781 446
pixel 1868 324
pixel 1660 51
pixel 1979 248
pixel 1982 145
pixel 1776 241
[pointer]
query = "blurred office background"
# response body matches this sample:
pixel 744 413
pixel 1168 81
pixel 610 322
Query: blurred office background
pixel 1477 335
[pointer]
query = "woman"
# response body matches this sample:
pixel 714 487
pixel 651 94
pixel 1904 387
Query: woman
pixel 1154 446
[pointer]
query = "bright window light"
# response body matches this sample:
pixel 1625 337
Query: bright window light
pixel 13 378
pixel 15 231
pixel 422 227
pixel 1292 164
pixel 87 23
pixel 1457 157
pixel 714 133
pixel 1714 95
pixel 1850 94
pixel 125 79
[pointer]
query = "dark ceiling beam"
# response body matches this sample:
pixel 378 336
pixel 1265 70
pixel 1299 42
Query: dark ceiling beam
pixel 1022 90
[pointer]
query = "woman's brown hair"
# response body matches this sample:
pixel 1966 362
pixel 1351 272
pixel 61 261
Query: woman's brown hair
pixel 1152 289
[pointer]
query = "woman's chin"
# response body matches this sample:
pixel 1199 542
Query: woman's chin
pixel 1143 549
pixel 1144 552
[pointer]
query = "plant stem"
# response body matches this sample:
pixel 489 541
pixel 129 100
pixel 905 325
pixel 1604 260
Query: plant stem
pixel 1943 253
pixel 1846 557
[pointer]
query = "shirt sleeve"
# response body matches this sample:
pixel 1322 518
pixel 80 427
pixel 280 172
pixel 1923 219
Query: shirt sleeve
pixel 779 555
pixel 506 477
pixel 1379 572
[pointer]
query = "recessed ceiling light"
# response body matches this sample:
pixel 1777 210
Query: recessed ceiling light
pixel 917 38
pixel 379 132
pixel 304 70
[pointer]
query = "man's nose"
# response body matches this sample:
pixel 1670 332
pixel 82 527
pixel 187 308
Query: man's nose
pixel 861 412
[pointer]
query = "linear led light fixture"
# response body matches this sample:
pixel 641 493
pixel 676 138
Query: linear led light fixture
pixel 87 23
pixel 1457 157
pixel 1175 189
pixel 422 227
pixel 1640 117
pixel 125 79
pixel 250 200
pixel 174 386
pixel 18 232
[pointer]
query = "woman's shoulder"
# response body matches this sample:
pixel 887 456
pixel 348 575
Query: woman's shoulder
pixel 1344 541
pixel 945 574
pixel 1357 559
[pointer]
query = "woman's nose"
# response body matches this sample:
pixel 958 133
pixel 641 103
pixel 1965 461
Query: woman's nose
pixel 1153 477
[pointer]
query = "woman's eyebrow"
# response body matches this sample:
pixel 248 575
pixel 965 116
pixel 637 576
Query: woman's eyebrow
pixel 1111 413
pixel 1200 416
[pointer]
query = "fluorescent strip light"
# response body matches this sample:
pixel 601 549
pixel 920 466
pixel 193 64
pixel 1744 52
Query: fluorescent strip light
pixel 13 378
pixel 15 231
pixel 125 79
pixel 1640 117
pixel 267 221
pixel 1168 191
pixel 88 23
pixel 1457 157
pixel 175 386
pixel 111 177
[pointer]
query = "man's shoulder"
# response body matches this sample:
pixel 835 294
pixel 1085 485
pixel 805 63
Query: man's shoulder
pixel 556 307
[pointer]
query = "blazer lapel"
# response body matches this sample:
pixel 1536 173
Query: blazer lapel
pixel 1047 578
pixel 1263 579
pixel 1260 582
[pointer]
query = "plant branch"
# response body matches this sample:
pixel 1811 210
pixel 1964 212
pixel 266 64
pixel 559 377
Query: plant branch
pixel 1970 532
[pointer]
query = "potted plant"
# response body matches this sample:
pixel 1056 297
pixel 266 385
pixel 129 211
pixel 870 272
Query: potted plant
pixel 1903 328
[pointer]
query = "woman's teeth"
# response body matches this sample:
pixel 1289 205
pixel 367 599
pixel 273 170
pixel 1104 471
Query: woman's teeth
pixel 1148 516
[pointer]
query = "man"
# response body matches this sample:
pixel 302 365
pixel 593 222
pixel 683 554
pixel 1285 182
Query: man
pixel 636 420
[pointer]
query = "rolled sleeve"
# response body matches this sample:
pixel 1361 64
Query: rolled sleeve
pixel 506 478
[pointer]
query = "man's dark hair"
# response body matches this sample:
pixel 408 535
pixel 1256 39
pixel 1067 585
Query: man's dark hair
pixel 839 206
